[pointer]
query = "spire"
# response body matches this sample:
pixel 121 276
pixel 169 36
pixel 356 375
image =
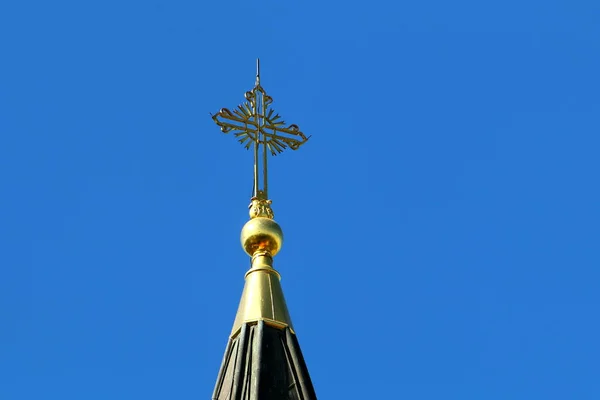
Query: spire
pixel 262 360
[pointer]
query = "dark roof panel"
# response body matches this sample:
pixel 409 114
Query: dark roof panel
pixel 263 362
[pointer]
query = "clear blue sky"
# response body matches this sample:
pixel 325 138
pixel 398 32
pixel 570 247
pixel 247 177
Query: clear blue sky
pixel 442 224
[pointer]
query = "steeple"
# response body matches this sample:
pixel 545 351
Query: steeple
pixel 262 360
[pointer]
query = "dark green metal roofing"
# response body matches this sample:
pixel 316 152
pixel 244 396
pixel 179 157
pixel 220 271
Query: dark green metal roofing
pixel 263 362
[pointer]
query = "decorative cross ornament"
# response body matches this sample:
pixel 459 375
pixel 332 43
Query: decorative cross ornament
pixel 257 125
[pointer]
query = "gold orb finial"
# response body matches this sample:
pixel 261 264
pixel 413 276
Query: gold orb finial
pixel 261 234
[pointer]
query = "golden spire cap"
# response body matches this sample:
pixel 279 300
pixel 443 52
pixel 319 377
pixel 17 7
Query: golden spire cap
pixel 258 127
pixel 262 298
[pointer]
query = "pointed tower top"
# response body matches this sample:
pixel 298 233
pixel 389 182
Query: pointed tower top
pixel 263 360
pixel 257 72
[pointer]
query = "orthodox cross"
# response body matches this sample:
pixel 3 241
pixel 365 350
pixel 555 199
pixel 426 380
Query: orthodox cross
pixel 257 125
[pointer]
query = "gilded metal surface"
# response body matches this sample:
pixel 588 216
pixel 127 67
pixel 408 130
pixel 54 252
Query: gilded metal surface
pixel 261 234
pixel 262 298
pixel 257 125
pixel 260 208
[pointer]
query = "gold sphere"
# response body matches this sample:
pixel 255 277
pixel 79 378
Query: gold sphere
pixel 261 234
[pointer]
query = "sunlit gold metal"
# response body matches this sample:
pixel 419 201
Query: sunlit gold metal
pixel 262 298
pixel 256 124
pixel 261 234
pixel 260 208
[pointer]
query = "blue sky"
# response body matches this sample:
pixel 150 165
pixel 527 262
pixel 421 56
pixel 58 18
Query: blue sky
pixel 442 223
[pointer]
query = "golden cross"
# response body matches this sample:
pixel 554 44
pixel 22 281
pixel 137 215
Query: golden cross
pixel 256 124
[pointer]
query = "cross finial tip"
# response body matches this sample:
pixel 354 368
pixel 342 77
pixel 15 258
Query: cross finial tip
pixel 257 71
